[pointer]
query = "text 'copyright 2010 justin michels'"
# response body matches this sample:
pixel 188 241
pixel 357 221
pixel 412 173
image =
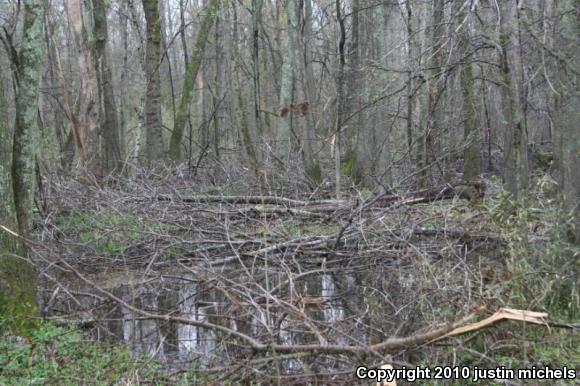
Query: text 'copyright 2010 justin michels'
pixel 471 373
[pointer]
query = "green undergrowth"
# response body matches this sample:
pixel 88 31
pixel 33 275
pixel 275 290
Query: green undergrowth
pixel 108 232
pixel 541 272
pixel 59 356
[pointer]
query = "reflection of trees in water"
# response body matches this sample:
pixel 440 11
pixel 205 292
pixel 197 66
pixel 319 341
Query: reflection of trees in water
pixel 346 307
pixel 144 335
pixel 188 334
pixel 315 298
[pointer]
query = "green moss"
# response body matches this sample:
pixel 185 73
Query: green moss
pixel 18 306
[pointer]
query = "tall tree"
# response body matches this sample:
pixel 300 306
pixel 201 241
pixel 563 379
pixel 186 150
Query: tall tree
pixel 515 168
pixel 288 78
pixel 6 210
pixel 88 110
pixel 154 148
pixel 256 20
pixel 295 67
pixel 411 46
pixel 352 132
pixel 339 97
pixel 311 162
pixel 566 79
pixel 435 85
pixel 211 11
pixel 384 135
pixel 109 122
pixel 470 133
pixel 240 109
pixel 18 276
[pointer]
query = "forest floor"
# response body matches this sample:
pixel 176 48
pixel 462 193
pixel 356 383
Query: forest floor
pixel 237 285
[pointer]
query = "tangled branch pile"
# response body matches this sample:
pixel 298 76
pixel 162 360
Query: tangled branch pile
pixel 314 287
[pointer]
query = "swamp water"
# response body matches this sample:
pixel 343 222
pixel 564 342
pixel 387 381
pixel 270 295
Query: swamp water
pixel 316 304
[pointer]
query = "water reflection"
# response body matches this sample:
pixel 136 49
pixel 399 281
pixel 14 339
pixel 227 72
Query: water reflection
pixel 316 299
pixel 332 311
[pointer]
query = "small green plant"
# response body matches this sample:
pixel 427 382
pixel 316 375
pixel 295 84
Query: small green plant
pixel 108 232
pixel 543 272
pixel 59 356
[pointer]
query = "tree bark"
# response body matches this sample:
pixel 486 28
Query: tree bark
pixel 239 107
pixel 311 163
pixel 436 78
pixel 472 167
pixel 6 196
pixel 109 123
pixel 288 78
pixel 339 99
pixel 18 277
pixel 411 70
pixel 154 148
pixel 88 116
pixel 515 168
pixel 353 134
pixel 566 115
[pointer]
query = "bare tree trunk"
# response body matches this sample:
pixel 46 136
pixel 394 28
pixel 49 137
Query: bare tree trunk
pixel 18 277
pixel 339 100
pixel 311 163
pixel 217 96
pixel 384 169
pixel 239 107
pixel 436 79
pixel 256 20
pixel 411 103
pixel 182 32
pixel 109 123
pixel 88 117
pixel 154 148
pixel 566 115
pixel 516 140
pixel 353 133
pixel 472 167
pixel 7 215
pixel 57 118
pixel 288 79
pixel 123 110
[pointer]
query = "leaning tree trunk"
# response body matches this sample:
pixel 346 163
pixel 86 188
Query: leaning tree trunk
pixel 211 11
pixel 17 276
pixel 154 149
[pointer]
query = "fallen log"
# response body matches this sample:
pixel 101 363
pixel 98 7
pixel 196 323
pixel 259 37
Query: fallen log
pixel 254 200
pixel 469 191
